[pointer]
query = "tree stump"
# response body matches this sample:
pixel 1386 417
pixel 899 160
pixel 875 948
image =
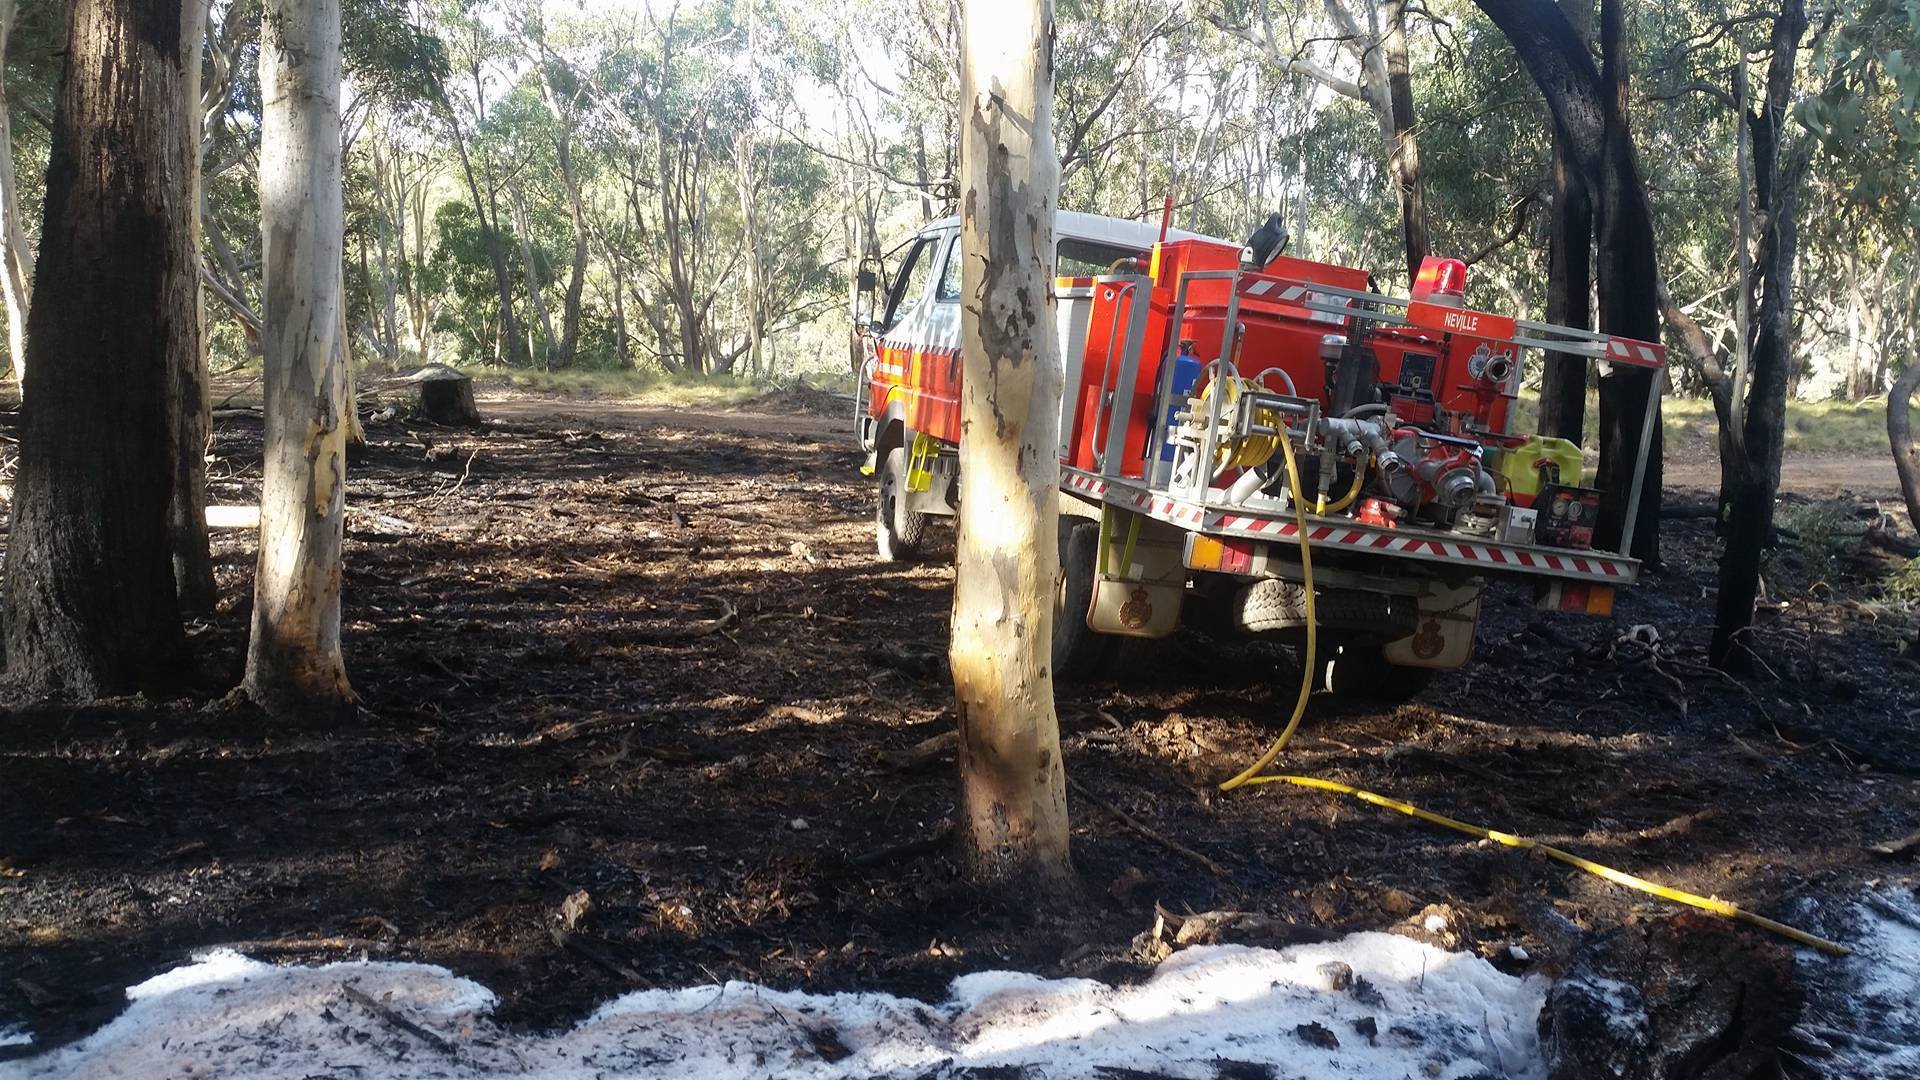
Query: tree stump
pixel 445 396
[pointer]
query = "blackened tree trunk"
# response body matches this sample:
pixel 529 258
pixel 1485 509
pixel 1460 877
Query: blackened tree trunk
pixel 1589 114
pixel 1403 155
pixel 1629 294
pixel 89 585
pixel 1754 481
pixel 1563 386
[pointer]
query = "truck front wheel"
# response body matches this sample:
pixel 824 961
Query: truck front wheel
pixel 898 531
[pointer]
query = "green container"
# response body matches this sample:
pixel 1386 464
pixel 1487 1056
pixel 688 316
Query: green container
pixel 1522 471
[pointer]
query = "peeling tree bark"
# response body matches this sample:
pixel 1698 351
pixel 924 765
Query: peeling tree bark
pixel 1906 456
pixel 187 517
pixel 16 258
pixel 90 607
pixel 294 667
pixel 1013 788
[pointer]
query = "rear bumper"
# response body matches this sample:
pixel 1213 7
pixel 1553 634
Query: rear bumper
pixel 1342 537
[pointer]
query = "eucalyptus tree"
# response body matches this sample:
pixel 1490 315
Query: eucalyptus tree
pixel 1013 786
pixel 294 663
pixel 89 586
pixel 1372 37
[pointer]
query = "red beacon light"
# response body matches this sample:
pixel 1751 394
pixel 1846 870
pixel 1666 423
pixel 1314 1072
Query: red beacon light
pixel 1441 281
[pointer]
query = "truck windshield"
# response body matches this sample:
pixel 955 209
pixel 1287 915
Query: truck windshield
pixel 1086 258
pixel 911 281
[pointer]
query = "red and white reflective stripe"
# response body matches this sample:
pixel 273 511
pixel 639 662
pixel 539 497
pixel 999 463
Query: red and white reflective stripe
pixel 1465 551
pixel 1638 353
pixel 1287 293
pixel 1140 500
pixel 1375 540
pixel 1086 483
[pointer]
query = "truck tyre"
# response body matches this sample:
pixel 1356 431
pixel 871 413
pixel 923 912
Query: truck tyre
pixel 1359 671
pixel 1079 652
pixel 898 531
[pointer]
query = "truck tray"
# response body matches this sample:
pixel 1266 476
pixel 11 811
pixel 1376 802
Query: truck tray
pixel 1479 555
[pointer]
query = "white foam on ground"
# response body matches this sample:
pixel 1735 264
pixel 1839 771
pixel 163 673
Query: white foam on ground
pixel 227 1016
pixel 1866 1007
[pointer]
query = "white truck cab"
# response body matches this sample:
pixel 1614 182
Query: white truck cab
pixel 921 308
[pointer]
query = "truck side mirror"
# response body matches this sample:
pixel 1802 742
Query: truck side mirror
pixel 865 280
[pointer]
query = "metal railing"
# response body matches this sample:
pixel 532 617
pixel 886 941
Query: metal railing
pixel 1597 348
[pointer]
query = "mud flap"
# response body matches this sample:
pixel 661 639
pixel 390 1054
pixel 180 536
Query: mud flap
pixel 1141 579
pixel 1444 638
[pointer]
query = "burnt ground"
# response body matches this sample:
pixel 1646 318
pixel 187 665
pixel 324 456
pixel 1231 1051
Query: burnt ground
pixel 662 666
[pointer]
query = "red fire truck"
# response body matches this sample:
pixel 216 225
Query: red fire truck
pixel 1199 374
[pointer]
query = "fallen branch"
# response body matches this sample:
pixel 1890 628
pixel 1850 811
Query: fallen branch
pixel 1212 928
pixel 1899 545
pixel 599 958
pixel 1892 910
pixel 297 946
pixel 1126 819
pixel 664 635
pixel 464 473
pixel 228 400
pixel 921 754
pixel 1895 848
pixel 386 1012
pixel 573 729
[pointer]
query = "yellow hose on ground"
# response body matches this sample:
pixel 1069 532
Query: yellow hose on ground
pixel 1705 903
pixel 1250 775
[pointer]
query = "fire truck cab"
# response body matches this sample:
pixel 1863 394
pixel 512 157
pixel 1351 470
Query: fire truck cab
pixel 1228 408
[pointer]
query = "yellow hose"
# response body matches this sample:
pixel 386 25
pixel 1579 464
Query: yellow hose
pixel 1313 625
pixel 1704 903
pixel 1250 775
pixel 1359 480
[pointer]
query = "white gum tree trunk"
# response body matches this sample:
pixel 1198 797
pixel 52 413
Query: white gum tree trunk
pixel 1013 788
pixel 294 667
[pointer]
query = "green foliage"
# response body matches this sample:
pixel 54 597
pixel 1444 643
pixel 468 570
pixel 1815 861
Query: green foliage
pixel 796 138
pixel 1903 585
pixel 1818 531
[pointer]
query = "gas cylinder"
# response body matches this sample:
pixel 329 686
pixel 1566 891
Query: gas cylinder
pixel 1180 383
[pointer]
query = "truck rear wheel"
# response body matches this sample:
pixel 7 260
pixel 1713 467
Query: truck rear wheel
pixel 898 531
pixel 1359 671
pixel 1079 652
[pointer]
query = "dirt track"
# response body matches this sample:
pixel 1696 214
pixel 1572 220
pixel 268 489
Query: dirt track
pixel 662 666
pixel 560 412
pixel 1815 476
